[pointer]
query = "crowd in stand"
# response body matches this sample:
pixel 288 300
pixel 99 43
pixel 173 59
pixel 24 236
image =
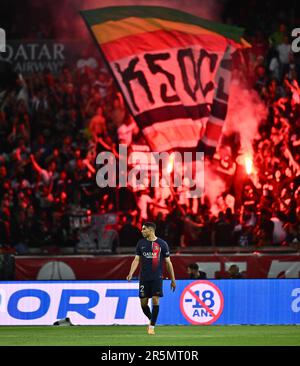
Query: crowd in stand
pixel 52 129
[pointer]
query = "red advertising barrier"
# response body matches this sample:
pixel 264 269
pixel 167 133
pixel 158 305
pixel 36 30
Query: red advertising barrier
pixel 116 267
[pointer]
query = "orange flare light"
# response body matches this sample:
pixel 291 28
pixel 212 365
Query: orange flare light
pixel 248 165
pixel 170 165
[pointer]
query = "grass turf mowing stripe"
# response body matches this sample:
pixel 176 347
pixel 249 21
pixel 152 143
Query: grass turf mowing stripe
pixel 136 336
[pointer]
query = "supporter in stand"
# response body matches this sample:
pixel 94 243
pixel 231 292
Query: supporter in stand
pixel 67 118
pixel 234 272
pixel 194 272
pixel 129 234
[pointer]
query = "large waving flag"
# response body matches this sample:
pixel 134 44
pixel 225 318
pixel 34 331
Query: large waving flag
pixel 173 69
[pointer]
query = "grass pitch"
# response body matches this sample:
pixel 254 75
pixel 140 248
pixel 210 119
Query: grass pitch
pixel 237 335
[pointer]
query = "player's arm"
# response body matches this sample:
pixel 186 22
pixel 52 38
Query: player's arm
pixel 134 266
pixel 171 272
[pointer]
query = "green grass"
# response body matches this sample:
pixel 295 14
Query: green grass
pixel 237 335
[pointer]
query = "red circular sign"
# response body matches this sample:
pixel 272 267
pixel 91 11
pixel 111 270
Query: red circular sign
pixel 201 313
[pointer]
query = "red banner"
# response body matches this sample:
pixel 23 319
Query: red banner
pixel 117 267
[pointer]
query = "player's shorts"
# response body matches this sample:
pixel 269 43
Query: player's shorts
pixel 150 288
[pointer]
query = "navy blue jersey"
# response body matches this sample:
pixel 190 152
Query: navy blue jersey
pixel 151 255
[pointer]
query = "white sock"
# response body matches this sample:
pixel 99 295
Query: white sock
pixel 151 326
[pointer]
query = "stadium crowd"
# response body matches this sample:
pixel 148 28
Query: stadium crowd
pixel 52 129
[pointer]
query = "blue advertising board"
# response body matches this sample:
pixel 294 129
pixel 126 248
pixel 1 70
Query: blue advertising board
pixel 216 302
pixel 241 301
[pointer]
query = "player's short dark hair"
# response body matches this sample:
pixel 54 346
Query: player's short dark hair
pixel 150 224
pixel 193 266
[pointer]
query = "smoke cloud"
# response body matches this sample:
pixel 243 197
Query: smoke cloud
pixel 67 23
pixel 202 8
pixel 246 111
pixel 214 186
